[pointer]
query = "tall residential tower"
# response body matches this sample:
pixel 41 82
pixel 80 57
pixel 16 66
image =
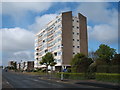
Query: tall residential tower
pixel 64 36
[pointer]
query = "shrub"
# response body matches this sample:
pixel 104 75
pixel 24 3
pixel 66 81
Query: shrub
pixel 110 77
pixel 103 68
pixel 114 69
pixel 68 70
pixel 108 69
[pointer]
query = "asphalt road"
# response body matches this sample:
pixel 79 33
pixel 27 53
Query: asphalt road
pixel 28 81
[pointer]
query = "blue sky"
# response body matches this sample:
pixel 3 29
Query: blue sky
pixel 20 22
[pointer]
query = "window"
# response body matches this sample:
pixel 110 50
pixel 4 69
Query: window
pixel 56 22
pixel 46 50
pixel 36 53
pixel 58 19
pixel 43 40
pixel 78 46
pixel 73 52
pixel 56 60
pixel 62 45
pixel 77 27
pixel 59 60
pixel 77 21
pixel 73 39
pixel 58 46
pixel 77 39
pixel 72 20
pixel 59 53
pixel 37 49
pixel 55 53
pixel 59 39
pixel 77 33
pixel 73 46
pixel 59 26
pixel 73 26
pixel 73 32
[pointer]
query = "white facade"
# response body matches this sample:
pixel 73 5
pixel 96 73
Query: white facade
pixel 49 39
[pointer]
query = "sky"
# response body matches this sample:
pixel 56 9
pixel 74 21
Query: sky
pixel 20 21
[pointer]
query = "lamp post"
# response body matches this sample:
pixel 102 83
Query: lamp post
pixel 62 73
pixel 62 67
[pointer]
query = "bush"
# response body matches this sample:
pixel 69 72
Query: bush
pixel 103 68
pixel 108 69
pixel 114 69
pixel 92 67
pixel 68 70
pixel 110 77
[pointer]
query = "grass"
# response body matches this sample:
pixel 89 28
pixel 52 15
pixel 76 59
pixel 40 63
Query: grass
pixel 35 73
pixel 108 77
pixel 105 77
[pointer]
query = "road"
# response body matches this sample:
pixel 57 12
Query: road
pixel 30 81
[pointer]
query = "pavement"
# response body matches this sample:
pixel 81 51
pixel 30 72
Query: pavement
pixel 19 80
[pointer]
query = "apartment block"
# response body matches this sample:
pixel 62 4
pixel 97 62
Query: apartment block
pixel 18 66
pixel 29 66
pixel 12 63
pixel 26 65
pixel 64 36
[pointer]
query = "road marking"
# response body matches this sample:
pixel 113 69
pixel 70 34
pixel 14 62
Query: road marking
pixel 57 81
pixel 35 80
pixel 7 82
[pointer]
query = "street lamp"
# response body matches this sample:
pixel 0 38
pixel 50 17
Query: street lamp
pixel 62 67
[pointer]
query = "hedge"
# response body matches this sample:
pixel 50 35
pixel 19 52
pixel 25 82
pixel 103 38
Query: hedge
pixel 108 69
pixel 110 77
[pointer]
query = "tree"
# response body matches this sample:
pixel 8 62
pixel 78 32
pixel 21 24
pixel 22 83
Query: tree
pixel 47 60
pixel 105 52
pixel 15 66
pixel 80 63
pixel 116 60
pixel 93 55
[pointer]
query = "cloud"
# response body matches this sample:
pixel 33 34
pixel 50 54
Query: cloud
pixel 24 55
pixel 104 33
pixel 40 22
pixel 17 44
pixel 15 39
pixel 66 9
pixel 96 12
pixel 18 11
pixel 17 56
pixel 12 8
pixel 104 19
pixel 60 1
